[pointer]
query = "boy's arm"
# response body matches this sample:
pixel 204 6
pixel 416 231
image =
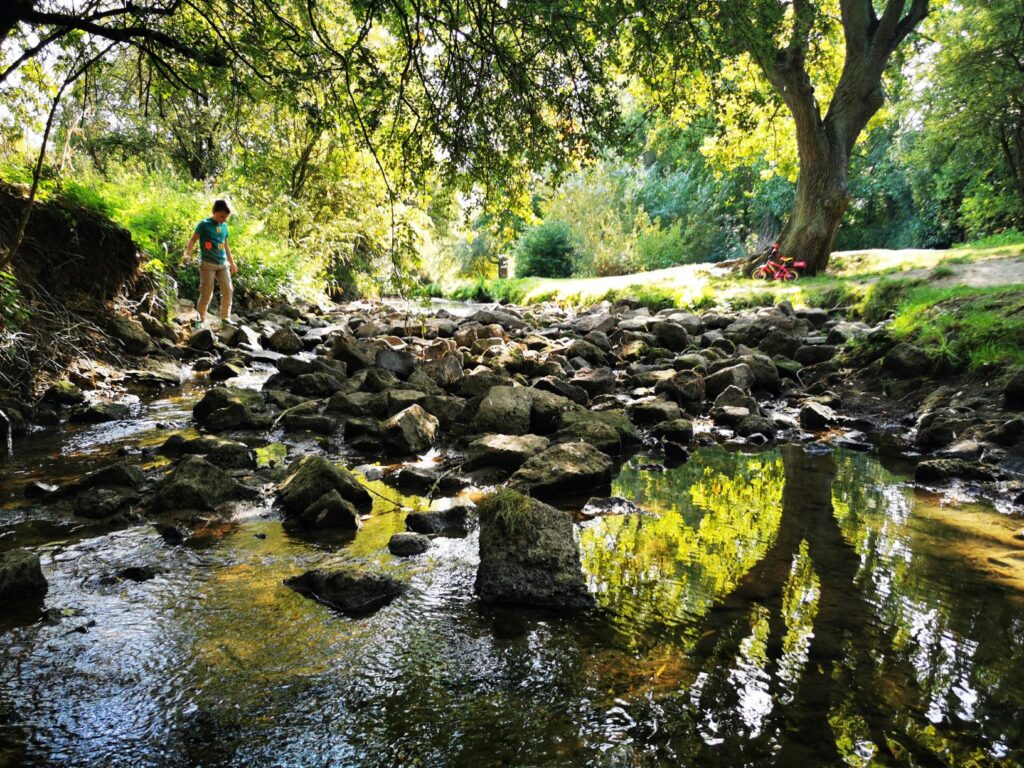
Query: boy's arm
pixel 231 260
pixel 191 245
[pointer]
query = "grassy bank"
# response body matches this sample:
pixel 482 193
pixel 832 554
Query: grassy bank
pixel 965 306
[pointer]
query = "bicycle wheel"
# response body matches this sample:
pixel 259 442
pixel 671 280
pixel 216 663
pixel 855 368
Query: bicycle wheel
pixel 761 273
pixel 790 274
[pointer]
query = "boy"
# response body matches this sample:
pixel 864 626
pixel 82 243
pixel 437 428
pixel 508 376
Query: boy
pixel 215 261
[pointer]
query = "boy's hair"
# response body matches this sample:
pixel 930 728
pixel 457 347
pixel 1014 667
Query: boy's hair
pixel 221 206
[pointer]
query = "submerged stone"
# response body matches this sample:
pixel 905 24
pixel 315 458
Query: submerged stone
pixel 348 590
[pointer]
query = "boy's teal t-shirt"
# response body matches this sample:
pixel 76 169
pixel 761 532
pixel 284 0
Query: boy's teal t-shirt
pixel 212 237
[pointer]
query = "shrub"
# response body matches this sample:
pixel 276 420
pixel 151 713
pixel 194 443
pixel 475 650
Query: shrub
pixel 546 250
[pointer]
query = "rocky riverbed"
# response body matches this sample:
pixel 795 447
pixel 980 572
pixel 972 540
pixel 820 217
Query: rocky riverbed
pixel 316 418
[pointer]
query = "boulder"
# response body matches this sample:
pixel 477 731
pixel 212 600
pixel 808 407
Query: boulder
pixel 226 454
pixel 679 431
pixel 195 483
pixel 685 387
pixel 547 411
pixel 408 544
pixel 653 411
pixel 202 340
pixel 505 451
pixel 227 369
pixel 528 554
pixel 329 511
pixel 348 590
pixel 906 361
pixel 98 413
pixel 504 410
pixel 738 375
pixel 130 333
pixel 608 431
pixel 21 577
pixel 812 354
pixel 816 416
pixel 63 393
pixel 223 408
pixel 944 470
pixel 1013 390
pixel 412 430
pixel 599 381
pixel 356 356
pixel 565 469
pixel 562 388
pixel 99 503
pixel 310 477
pixel 671 336
pixel 285 341
pixel 453 521
pixel 400 363
pixel 318 384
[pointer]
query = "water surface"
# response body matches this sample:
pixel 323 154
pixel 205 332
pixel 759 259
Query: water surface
pixel 789 607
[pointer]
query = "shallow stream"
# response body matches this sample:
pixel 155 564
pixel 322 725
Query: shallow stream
pixel 792 607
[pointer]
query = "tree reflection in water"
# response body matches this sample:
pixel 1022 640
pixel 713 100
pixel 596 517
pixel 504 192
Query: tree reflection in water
pixel 811 624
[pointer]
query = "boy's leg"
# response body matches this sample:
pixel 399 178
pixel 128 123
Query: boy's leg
pixel 206 276
pixel 226 291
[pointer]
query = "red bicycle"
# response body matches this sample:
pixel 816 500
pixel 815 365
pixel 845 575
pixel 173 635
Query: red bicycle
pixel 779 267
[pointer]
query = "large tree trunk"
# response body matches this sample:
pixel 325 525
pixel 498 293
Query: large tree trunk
pixel 821 200
pixel 825 143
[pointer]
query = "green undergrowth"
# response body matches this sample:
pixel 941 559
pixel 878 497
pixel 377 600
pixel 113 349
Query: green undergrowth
pixel 511 508
pixel 964 328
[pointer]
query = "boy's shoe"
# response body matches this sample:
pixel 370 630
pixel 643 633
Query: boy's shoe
pixel 197 325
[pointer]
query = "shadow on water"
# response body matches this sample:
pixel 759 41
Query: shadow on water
pixel 782 608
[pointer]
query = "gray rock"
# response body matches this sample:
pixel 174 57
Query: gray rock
pixel 653 411
pixel 1013 390
pixel 599 381
pixel 671 335
pixel 906 361
pixel 223 408
pixel 412 430
pixel 318 384
pixel 506 451
pixel 569 468
pixel 285 341
pixel 679 431
pixel 228 369
pixel 943 470
pixel 400 363
pixel 504 410
pixel 63 393
pixel 310 477
pixel 226 454
pixel 195 483
pixel 348 590
pixel 356 356
pixel 408 544
pixel 202 340
pixel 98 413
pixel 812 354
pixel 562 388
pixel 99 503
pixel 685 387
pixel 453 521
pixel 329 511
pixel 816 416
pixel 21 577
pixel 738 375
pixel 528 555
pixel 130 333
